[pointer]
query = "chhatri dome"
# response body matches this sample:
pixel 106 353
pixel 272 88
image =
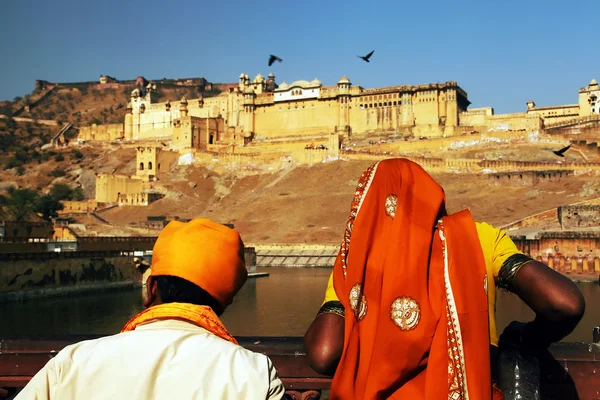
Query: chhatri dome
pixel 344 79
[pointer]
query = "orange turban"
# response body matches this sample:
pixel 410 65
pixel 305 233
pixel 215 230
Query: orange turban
pixel 205 253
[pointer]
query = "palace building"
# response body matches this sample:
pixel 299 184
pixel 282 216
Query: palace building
pixel 261 110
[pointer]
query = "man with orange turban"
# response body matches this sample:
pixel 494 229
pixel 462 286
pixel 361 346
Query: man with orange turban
pixel 177 348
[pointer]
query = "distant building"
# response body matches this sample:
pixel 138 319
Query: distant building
pixel 260 109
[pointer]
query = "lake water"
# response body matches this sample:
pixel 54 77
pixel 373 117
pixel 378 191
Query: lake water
pixel 282 304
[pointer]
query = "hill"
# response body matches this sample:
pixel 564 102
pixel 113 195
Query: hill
pixel 311 203
pixel 84 103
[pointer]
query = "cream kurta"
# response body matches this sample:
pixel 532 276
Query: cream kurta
pixel 166 359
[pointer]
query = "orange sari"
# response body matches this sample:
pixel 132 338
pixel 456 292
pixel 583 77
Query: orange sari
pixel 412 281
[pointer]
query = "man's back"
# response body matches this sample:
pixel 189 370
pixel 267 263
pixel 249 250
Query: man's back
pixel 159 360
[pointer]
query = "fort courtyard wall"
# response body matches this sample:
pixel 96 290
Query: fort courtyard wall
pixel 110 186
pixel 79 207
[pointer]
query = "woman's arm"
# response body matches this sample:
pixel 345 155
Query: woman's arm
pixel 556 300
pixel 324 340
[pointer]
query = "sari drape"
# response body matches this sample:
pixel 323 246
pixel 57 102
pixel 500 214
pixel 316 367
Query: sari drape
pixel 413 284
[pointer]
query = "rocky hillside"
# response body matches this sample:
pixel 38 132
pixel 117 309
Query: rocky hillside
pixel 86 103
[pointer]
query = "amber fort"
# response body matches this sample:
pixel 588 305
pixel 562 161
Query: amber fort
pixel 257 115
pixel 262 110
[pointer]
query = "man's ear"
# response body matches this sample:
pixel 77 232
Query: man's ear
pixel 151 291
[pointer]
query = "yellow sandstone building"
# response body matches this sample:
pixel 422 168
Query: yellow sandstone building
pixel 261 110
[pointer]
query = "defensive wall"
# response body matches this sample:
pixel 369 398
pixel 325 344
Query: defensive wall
pixel 573 254
pixel 106 133
pixel 47 122
pixel 98 264
pixel 138 199
pixel 110 186
pixel 473 165
pixel 527 178
pixel 44 274
pixel 79 207
pixel 535 219
pixel 578 216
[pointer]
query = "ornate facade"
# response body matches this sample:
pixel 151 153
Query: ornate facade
pixel 259 109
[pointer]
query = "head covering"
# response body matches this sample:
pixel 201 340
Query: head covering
pixel 205 253
pixel 411 280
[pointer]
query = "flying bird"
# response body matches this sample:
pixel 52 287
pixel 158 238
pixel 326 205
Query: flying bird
pixel 561 152
pixel 273 58
pixel 366 58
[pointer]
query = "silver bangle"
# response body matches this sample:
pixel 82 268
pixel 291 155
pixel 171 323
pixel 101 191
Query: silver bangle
pixel 508 271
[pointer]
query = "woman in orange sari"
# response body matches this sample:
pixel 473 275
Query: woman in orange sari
pixel 412 280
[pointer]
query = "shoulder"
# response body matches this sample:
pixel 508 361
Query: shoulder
pixel 485 230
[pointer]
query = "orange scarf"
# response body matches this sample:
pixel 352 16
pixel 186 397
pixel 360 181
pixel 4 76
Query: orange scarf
pixel 416 324
pixel 202 316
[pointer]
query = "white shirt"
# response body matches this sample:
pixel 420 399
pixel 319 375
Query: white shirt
pixel 166 359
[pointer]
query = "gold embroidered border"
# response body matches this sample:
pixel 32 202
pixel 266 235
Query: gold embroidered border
pixel 457 377
pixel 364 182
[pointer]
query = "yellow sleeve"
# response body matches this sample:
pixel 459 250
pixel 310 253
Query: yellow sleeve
pixel 330 292
pixel 496 244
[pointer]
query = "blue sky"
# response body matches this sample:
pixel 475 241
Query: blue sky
pixel 502 53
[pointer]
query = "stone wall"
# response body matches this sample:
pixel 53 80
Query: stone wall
pixel 138 199
pixel 79 207
pixel 575 254
pixel 24 230
pixel 527 178
pixel 109 186
pixel 42 274
pixel 104 133
pixel 579 216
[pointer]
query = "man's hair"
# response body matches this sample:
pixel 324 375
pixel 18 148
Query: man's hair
pixel 173 289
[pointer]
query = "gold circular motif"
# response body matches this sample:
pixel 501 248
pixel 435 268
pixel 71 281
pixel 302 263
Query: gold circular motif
pixel 405 313
pixel 390 205
pixel 358 302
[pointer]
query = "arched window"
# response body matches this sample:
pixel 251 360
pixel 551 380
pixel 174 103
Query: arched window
pixel 150 165
pixel 211 139
pixel 141 166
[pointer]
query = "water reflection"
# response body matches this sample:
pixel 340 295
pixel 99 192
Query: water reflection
pixel 282 304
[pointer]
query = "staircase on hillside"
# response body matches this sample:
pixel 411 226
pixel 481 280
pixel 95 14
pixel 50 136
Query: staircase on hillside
pixel 56 139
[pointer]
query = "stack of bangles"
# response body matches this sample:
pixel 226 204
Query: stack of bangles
pixel 509 269
pixel 332 307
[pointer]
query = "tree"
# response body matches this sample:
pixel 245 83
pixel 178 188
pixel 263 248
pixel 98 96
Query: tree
pixel 78 194
pixel 21 203
pixel 77 154
pixel 61 191
pixel 48 207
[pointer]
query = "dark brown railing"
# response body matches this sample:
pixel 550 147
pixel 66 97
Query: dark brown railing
pixel 568 370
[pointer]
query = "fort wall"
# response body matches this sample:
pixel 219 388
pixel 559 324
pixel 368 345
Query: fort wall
pixel 579 216
pixel 79 207
pixel 527 178
pixel 32 275
pixel 138 199
pixel 110 186
pixel 105 133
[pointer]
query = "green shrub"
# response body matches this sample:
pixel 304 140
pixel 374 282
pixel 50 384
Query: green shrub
pixel 59 157
pixel 57 173
pixel 77 154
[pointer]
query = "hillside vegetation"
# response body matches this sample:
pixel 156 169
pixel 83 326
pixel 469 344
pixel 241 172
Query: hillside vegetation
pixel 89 103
